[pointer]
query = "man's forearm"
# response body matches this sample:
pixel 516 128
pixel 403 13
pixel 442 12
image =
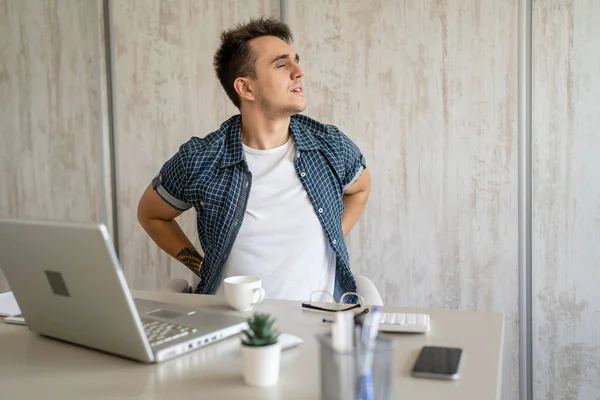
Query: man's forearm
pixel 169 237
pixel 354 206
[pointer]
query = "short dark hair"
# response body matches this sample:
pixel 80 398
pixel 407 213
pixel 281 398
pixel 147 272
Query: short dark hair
pixel 234 58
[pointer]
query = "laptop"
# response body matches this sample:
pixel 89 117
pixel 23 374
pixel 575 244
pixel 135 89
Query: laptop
pixel 70 286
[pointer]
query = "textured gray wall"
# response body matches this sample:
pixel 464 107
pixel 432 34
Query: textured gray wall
pixel 428 90
pixel 52 116
pixel 566 199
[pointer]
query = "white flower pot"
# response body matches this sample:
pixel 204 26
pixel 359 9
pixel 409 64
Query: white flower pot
pixel 261 364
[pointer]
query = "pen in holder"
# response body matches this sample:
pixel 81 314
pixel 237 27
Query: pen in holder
pixel 346 374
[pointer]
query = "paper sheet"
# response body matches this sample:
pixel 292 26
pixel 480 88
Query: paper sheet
pixel 8 305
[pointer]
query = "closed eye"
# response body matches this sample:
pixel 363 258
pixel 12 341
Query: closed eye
pixel 285 58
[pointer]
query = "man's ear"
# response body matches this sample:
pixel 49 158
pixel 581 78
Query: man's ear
pixel 243 86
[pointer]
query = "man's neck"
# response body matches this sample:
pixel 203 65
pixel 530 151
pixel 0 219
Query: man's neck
pixel 262 133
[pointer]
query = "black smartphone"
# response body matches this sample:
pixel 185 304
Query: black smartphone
pixel 436 362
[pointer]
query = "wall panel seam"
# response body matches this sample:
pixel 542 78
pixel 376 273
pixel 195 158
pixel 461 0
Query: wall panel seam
pixel 111 131
pixel 525 209
pixel 282 11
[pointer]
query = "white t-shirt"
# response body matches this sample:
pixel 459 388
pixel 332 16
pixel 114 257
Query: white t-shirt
pixel 281 239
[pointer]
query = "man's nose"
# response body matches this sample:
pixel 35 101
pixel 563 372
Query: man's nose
pixel 298 73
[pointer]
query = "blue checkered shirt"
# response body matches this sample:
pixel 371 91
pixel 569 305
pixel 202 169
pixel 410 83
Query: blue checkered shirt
pixel 211 175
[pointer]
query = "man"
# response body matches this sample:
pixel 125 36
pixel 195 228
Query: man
pixel 275 192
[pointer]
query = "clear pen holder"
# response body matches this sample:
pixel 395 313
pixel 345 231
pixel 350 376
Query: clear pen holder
pixel 343 373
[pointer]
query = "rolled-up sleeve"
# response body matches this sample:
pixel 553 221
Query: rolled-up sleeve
pixel 172 180
pixel 352 157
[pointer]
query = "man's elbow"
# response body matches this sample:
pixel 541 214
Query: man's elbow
pixel 144 208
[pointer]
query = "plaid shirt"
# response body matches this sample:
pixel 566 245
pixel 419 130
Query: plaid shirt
pixel 211 175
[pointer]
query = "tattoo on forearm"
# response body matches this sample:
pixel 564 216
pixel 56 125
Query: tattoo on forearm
pixel 191 259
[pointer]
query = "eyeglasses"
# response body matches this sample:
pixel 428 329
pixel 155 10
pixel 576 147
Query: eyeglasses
pixel 326 302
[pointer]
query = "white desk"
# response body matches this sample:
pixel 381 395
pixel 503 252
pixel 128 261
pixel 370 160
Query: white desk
pixel 37 367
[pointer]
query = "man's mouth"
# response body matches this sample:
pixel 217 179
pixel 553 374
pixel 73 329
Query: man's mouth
pixel 297 90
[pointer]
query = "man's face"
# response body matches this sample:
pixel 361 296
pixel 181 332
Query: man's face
pixel 278 86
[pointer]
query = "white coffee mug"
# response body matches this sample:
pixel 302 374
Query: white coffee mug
pixel 243 292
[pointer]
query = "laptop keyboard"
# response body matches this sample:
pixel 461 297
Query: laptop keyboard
pixel 159 332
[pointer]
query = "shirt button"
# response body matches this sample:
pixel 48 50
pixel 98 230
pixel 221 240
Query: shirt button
pixel 334 241
pixel 320 210
pixel 302 174
pixel 201 204
pixel 298 155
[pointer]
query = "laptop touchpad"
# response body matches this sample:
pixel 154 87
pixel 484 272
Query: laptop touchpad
pixel 166 314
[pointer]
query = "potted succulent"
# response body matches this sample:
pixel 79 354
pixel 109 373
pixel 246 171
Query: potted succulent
pixel 261 352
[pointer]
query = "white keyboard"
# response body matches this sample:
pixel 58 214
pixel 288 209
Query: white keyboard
pixel 404 322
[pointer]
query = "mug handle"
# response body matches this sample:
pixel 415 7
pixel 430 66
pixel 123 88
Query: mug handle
pixel 261 295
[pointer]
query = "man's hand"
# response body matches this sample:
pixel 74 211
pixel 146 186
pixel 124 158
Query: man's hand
pixel 157 218
pixel 355 199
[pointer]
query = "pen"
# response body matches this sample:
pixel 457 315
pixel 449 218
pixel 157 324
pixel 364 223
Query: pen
pixel 370 328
